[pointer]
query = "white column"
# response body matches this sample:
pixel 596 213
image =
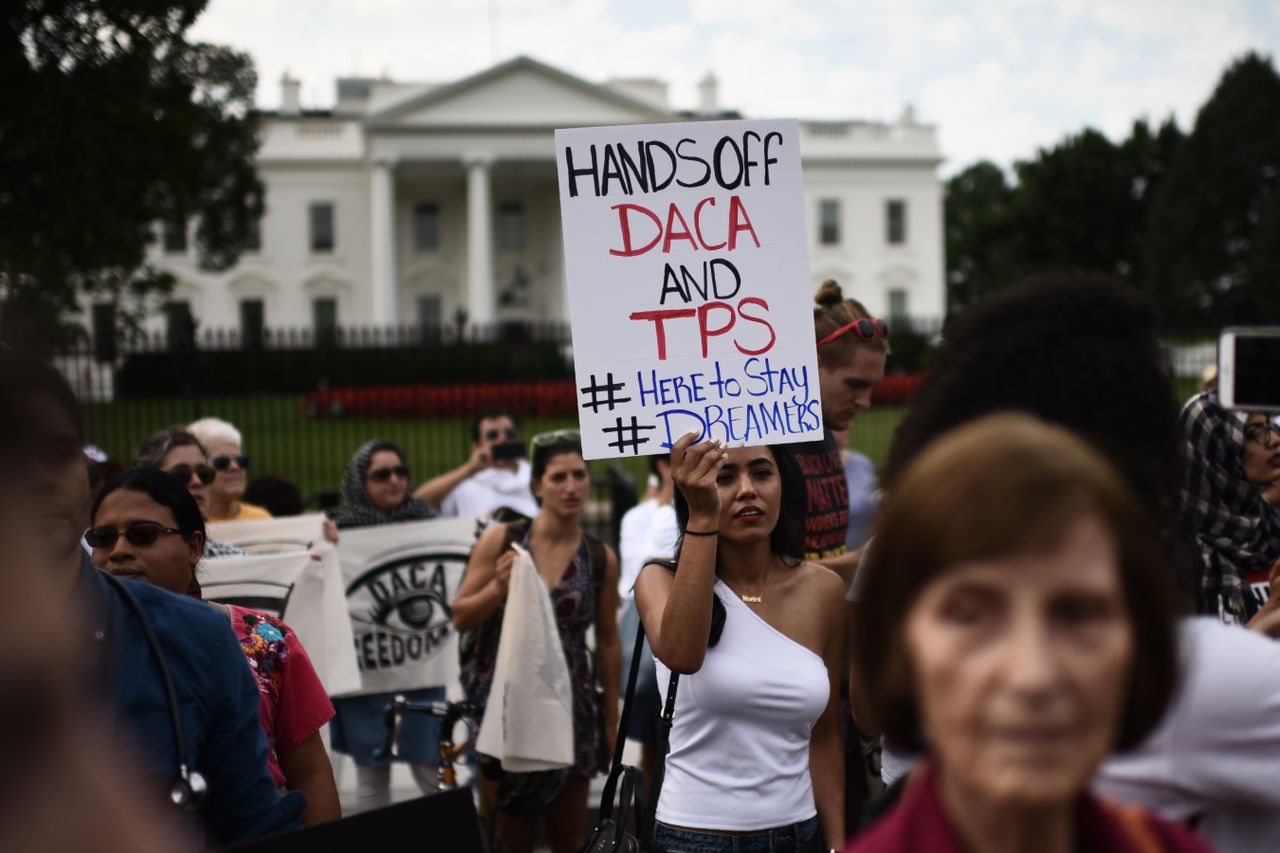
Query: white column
pixel 382 240
pixel 479 239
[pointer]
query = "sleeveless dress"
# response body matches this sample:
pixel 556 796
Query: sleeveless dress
pixel 574 603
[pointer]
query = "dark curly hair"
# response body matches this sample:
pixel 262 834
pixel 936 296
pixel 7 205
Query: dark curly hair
pixel 1076 349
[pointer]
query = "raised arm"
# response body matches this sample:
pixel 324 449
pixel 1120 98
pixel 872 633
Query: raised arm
pixel 485 582
pixel 435 490
pixel 676 611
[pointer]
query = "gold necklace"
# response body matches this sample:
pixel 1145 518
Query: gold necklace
pixel 757 599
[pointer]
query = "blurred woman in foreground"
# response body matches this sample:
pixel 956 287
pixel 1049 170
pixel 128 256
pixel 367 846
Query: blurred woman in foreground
pixel 1017 629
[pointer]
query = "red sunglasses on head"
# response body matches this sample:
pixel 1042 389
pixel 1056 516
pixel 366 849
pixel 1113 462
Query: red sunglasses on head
pixel 867 329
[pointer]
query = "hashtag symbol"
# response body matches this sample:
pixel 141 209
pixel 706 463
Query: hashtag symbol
pixel 633 429
pixel 595 389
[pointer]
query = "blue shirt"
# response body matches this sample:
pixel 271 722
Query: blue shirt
pixel 217 701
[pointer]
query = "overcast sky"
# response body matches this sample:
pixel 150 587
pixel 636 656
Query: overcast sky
pixel 999 79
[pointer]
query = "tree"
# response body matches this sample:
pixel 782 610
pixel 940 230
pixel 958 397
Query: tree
pixel 978 234
pixel 1084 202
pixel 1213 238
pixel 110 122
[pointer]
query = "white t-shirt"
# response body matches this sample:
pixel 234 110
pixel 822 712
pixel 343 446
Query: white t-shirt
pixel 648 530
pixel 481 494
pixel 1217 753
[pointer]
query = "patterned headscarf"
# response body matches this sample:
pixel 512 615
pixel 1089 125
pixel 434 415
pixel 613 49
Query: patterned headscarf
pixel 1236 529
pixel 360 510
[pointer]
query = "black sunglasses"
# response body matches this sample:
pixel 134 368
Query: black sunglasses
pixel 1261 433
pixel 566 436
pixel 182 473
pixel 223 461
pixel 137 535
pixel 494 434
pixel 381 475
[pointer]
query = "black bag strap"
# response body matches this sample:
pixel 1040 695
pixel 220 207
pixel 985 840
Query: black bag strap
pixel 624 723
pixel 664 745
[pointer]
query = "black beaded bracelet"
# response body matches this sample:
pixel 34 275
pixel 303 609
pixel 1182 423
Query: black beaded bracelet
pixel 701 532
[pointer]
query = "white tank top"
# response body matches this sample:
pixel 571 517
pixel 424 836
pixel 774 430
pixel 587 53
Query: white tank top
pixel 739 757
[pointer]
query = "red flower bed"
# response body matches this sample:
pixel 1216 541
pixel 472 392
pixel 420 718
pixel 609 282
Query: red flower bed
pixel 896 390
pixel 534 397
pixel 543 397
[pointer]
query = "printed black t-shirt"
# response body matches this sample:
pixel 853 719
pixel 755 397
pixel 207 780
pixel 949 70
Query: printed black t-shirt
pixel 826 496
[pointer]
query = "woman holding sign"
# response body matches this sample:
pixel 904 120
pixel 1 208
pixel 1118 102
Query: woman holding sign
pixel 581 576
pixel 757 635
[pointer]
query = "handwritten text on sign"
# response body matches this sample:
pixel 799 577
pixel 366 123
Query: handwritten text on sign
pixel 688 275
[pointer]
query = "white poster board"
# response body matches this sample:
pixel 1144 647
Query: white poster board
pixel 688 272
pixel 303 588
pixel 399 580
pixel 264 536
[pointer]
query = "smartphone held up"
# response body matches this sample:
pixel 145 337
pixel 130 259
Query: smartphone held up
pixel 1249 368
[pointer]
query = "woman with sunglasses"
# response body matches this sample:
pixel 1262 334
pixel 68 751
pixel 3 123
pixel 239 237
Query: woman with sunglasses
pixel 223 443
pixel 180 454
pixel 581 576
pixel 376 490
pixel 146 527
pixel 1230 458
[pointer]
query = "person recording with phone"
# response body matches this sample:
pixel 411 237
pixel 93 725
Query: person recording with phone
pixel 495 476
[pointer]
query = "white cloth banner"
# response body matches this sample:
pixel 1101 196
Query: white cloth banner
pixel 688 273
pixel 302 587
pixel 399 580
pixel 528 721
pixel 265 536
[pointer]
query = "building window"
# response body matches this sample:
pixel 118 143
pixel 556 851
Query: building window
pixel 323 238
pixel 253 239
pixel 175 236
pixel 103 318
pixel 429 312
pixel 897 305
pixel 426 227
pixel 324 321
pixel 180 325
pixel 829 222
pixel 895 221
pixel 252 323
pixel 511 226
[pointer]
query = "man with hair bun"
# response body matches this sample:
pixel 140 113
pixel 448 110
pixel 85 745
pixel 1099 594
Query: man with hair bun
pixel 852 348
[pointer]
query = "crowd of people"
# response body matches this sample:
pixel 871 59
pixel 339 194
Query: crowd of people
pixel 1047 623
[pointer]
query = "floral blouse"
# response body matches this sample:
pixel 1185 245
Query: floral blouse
pixel 292 703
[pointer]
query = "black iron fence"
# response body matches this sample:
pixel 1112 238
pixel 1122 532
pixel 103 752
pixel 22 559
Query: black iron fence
pixel 304 402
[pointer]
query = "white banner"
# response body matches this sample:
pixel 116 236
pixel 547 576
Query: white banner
pixel 688 273
pixel 269 536
pixel 399 580
pixel 302 587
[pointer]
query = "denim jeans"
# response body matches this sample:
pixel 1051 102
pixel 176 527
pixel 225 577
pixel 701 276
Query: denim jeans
pixel 799 837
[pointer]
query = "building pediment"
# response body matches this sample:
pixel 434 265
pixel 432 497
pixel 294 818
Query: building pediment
pixel 519 93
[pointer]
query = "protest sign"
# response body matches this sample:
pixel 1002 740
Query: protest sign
pixel 688 272
pixel 263 536
pixel 399 580
pixel 302 587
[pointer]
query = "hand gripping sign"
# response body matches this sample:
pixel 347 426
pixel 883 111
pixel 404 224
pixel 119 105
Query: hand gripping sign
pixel 688 274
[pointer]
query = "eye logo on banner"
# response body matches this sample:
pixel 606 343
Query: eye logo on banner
pixel 400 609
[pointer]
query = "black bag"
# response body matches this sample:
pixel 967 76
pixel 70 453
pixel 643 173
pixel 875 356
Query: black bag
pixel 611 835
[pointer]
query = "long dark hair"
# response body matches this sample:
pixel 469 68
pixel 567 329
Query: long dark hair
pixel 162 488
pixel 787 537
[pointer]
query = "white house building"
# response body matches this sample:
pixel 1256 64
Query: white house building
pixel 410 203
